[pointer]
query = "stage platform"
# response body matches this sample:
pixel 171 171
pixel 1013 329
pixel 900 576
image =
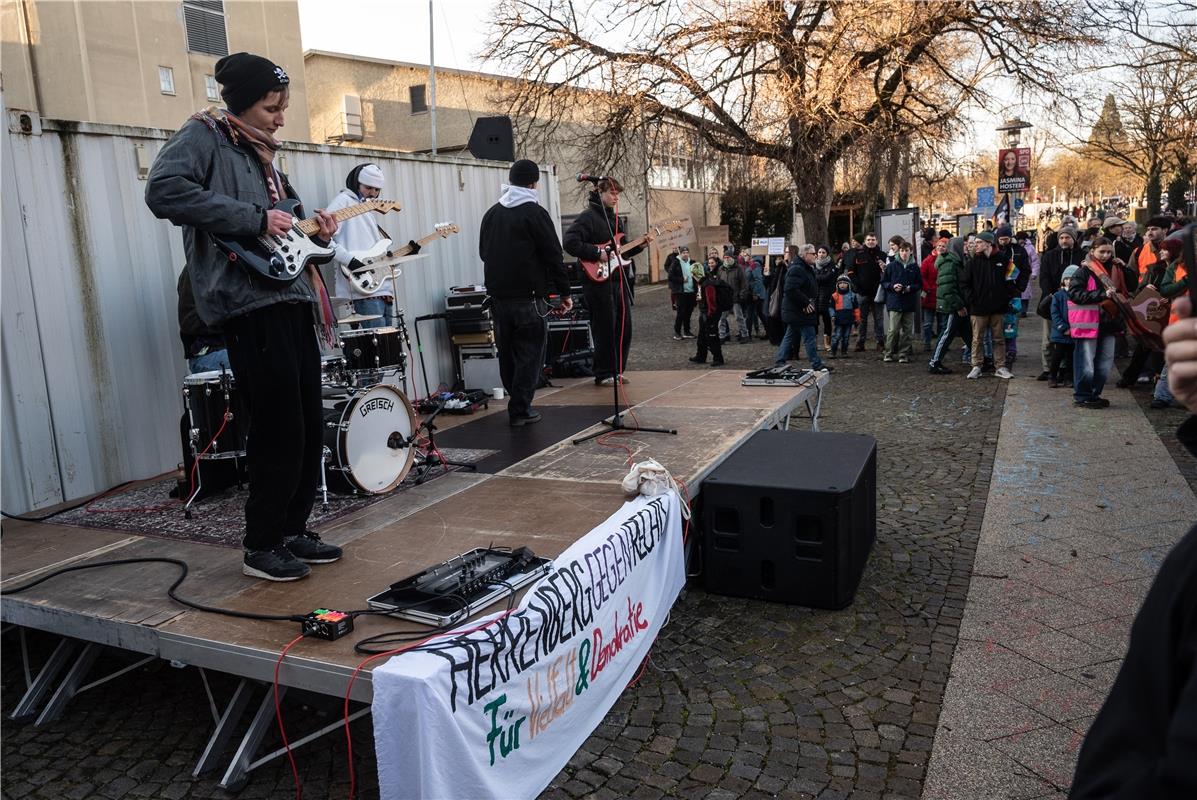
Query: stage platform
pixel 547 498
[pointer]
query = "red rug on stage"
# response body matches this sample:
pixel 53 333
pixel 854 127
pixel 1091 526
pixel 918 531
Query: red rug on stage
pixel 148 510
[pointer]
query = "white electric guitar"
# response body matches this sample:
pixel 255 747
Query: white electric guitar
pixel 376 262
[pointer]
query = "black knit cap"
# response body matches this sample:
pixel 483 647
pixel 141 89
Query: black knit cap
pixel 1160 222
pixel 245 79
pixel 524 173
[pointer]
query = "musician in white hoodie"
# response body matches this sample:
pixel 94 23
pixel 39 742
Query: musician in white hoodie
pixel 356 236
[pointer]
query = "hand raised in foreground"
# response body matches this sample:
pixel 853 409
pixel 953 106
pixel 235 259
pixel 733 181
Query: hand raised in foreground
pixel 1180 339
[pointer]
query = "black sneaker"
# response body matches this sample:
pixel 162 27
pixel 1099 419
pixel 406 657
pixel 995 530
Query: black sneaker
pixel 308 547
pixel 939 369
pixel 1043 376
pixel 274 565
pixel 531 418
pixel 718 363
pixel 1157 403
pixel 697 360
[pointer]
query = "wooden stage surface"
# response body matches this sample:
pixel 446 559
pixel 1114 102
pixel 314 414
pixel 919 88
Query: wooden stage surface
pixel 546 501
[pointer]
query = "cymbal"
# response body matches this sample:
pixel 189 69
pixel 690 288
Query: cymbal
pixel 352 318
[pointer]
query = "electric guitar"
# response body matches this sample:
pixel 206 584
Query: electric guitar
pixel 376 261
pixel 599 271
pixel 281 259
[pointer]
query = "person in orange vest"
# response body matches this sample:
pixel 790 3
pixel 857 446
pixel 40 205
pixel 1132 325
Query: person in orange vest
pixel 1148 263
pixel 1174 286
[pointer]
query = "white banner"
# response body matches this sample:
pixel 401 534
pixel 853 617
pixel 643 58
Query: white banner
pixel 498 712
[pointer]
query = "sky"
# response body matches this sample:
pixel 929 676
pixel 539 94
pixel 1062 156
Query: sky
pixel 398 30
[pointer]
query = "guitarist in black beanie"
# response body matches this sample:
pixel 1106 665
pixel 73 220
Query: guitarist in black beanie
pixel 216 178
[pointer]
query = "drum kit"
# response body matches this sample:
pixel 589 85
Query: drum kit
pixel 369 424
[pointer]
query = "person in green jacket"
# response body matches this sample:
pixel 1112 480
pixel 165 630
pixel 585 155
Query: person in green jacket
pixel 1174 285
pixel 948 301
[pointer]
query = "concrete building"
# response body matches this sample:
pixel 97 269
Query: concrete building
pixel 386 104
pixel 147 64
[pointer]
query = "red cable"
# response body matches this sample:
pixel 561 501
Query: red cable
pixel 396 651
pixel 278 713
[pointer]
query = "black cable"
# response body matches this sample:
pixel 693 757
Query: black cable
pixel 182 565
pixel 80 504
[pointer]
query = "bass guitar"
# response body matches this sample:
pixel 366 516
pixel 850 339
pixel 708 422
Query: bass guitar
pixel 599 271
pixel 1145 314
pixel 377 260
pixel 281 259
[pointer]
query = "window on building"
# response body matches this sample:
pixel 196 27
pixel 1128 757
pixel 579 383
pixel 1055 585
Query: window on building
pixel 204 21
pixel 212 89
pixel 419 102
pixel 166 80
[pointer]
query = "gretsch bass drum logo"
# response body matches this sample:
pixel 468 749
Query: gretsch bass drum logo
pixel 375 404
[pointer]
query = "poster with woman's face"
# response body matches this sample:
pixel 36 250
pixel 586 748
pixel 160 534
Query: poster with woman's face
pixel 1014 169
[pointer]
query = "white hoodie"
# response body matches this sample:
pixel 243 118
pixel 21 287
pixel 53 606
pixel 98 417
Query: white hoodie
pixel 354 236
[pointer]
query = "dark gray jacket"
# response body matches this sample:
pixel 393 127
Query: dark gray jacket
pixel 205 184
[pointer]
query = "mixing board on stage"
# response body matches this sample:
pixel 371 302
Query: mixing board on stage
pixel 453 590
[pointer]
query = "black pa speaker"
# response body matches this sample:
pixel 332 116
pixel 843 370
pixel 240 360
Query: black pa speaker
pixel 790 517
pixel 492 138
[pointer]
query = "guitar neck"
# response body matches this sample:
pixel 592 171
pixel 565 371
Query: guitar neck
pixel 639 240
pixel 311 225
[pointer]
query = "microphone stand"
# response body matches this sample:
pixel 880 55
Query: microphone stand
pixel 432 448
pixel 616 422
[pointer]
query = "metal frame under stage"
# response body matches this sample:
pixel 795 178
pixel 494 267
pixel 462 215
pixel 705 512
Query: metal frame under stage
pixel 83 638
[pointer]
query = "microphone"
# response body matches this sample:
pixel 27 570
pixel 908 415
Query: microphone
pixel 583 177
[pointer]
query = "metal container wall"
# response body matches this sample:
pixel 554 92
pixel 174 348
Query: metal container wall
pixel 92 364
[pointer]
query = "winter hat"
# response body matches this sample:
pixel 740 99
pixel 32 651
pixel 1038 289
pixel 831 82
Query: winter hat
pixel 987 236
pixel 1070 270
pixel 1160 222
pixel 370 175
pixel 245 79
pixel 843 280
pixel 1004 230
pixel 1112 222
pixel 1067 230
pixel 524 173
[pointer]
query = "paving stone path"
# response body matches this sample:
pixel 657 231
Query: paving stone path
pixel 741 699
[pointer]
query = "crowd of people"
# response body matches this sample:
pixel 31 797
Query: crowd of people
pixel 979 288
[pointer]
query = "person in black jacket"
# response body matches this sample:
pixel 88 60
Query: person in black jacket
pixel 865 271
pixel 986 294
pixel 522 264
pixel 1065 254
pixel 610 302
pixel 798 308
pixel 1143 743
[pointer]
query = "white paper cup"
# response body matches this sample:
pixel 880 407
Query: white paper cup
pixel 497 392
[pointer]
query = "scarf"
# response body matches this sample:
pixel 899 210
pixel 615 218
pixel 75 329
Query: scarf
pixel 517 196
pixel 823 263
pixel 264 146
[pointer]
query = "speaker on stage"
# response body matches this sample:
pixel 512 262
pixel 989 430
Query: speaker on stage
pixel 790 517
pixel 492 138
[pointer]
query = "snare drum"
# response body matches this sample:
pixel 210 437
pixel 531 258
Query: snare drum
pixel 367 438
pixel 216 415
pixel 373 349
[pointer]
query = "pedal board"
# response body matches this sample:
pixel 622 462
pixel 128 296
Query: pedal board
pixel 778 375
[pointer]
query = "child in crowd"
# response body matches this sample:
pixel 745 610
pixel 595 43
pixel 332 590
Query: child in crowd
pixel 708 318
pixel 847 314
pixel 1013 312
pixel 902 282
pixel 1060 364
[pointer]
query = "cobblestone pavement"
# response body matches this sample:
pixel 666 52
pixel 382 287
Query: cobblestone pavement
pixel 742 699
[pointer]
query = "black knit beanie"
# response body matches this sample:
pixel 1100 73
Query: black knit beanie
pixel 245 79
pixel 1160 222
pixel 523 173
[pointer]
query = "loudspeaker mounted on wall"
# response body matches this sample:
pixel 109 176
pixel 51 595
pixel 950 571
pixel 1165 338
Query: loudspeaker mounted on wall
pixel 492 138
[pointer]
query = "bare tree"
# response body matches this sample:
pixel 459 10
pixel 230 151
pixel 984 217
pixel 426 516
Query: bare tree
pixel 798 82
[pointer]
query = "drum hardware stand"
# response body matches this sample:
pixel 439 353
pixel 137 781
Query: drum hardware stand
pixel 427 425
pixel 325 455
pixel 193 437
pixel 616 422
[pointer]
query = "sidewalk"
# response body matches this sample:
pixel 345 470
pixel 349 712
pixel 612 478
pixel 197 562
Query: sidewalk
pixel 1082 509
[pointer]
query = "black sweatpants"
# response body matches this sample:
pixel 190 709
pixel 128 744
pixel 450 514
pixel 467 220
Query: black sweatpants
pixel 1059 367
pixel 276 363
pixel 520 335
pixel 685 310
pixel 610 324
pixel 708 339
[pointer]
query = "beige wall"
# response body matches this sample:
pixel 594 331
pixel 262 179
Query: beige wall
pixel 461 97
pixel 98 60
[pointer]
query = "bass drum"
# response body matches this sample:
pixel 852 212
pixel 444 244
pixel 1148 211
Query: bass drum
pixel 368 437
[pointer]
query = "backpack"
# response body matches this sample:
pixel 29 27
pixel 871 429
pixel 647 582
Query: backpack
pixel 725 296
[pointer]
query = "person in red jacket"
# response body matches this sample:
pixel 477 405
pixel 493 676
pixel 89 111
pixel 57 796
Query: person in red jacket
pixel 708 318
pixel 932 324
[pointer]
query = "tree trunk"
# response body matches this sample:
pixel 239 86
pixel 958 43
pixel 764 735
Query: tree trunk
pixel 872 185
pixel 813 191
pixel 893 157
pixel 1154 190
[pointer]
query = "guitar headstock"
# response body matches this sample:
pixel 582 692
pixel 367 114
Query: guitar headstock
pixel 667 227
pixel 383 206
pixel 444 229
